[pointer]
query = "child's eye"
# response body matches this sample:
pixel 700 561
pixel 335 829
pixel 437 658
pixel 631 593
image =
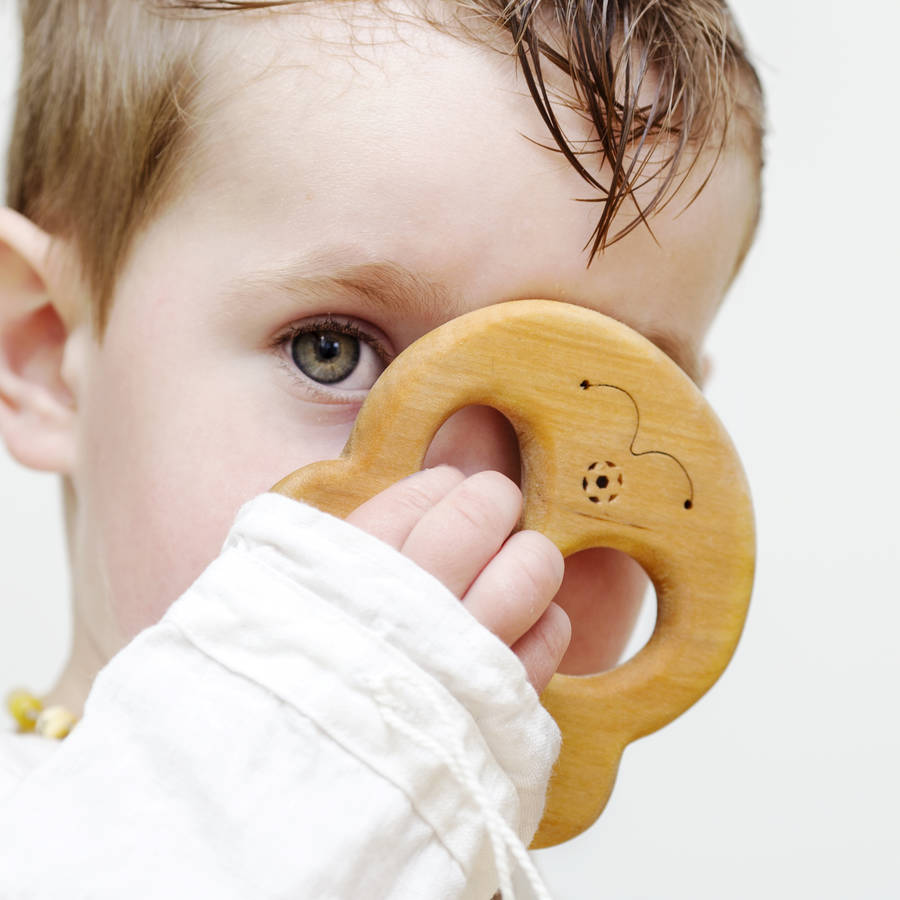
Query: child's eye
pixel 336 354
pixel 326 356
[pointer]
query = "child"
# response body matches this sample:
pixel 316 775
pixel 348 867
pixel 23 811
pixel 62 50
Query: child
pixel 225 222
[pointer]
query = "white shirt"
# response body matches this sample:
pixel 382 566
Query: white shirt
pixel 316 717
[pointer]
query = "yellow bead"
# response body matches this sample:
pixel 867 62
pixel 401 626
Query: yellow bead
pixel 24 708
pixel 55 722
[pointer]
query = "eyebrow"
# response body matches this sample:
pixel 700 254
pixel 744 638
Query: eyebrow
pixel 384 286
pixel 389 287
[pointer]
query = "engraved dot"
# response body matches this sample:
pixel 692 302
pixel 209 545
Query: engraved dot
pixel 602 482
pixel 688 504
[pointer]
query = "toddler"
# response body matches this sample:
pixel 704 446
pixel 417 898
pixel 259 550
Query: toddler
pixel 225 219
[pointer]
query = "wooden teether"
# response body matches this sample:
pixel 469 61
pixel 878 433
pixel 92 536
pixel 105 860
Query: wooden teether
pixel 619 449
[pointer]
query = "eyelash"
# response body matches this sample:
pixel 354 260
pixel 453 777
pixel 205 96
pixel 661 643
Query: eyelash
pixel 283 342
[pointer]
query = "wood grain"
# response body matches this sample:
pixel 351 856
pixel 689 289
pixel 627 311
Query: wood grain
pixel 619 449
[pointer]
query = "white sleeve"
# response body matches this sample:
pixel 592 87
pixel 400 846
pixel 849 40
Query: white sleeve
pixel 316 717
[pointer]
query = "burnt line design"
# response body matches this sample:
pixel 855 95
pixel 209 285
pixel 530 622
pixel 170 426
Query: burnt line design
pixel 584 385
pixel 594 517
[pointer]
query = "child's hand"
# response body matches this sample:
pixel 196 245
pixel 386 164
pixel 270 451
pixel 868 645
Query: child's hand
pixel 458 529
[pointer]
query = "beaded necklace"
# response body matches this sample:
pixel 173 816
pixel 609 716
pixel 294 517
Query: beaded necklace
pixel 31 716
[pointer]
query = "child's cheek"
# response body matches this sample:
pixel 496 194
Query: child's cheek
pixel 166 460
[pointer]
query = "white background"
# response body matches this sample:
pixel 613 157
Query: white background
pixel 783 781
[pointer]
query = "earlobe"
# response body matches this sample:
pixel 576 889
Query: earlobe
pixel 37 410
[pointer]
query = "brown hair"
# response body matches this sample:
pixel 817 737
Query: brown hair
pixel 109 88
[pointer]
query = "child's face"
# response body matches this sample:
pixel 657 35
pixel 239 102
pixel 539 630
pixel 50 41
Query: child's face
pixel 377 189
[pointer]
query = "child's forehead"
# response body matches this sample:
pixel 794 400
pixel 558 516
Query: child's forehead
pixel 299 76
pixel 423 151
pixel 397 68
pixel 340 103
pixel 319 54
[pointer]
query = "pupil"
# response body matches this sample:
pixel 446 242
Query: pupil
pixel 328 347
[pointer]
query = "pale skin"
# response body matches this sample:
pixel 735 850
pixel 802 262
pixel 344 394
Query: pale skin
pixel 407 149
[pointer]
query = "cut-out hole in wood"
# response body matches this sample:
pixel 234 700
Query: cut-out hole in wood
pixel 474 439
pixel 605 593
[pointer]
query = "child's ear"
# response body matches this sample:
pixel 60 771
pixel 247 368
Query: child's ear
pixel 37 411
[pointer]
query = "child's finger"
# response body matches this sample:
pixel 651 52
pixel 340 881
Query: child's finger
pixel 391 515
pixel 516 586
pixel 460 534
pixel 543 646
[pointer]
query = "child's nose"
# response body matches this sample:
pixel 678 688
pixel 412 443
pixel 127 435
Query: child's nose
pixel 475 439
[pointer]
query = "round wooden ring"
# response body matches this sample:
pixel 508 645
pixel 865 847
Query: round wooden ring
pixel 619 449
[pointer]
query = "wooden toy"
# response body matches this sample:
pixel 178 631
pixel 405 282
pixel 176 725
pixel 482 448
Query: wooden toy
pixel 619 449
